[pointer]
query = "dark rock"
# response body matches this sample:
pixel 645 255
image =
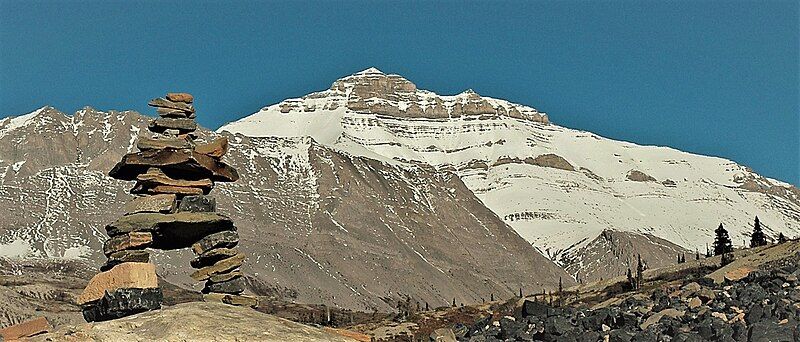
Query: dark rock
pixel 212 256
pixel 171 231
pixel 122 302
pixel 186 163
pixel 197 204
pixel 224 239
pixel 770 332
pixel 183 125
pixel 510 327
pixel 460 330
pixel 131 255
pixel 232 286
pixel 534 308
pixel 160 143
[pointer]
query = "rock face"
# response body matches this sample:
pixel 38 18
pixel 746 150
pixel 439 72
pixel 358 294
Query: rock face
pixel 194 322
pixel 680 197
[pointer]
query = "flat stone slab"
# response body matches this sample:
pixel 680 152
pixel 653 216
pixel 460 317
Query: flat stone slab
pixel 131 255
pixel 127 275
pixel 216 148
pixel 172 231
pixel 223 239
pixel 180 97
pixel 151 204
pixel 220 267
pixel 132 240
pixel 183 125
pixel 25 329
pixel 187 163
pixel 160 143
pixel 234 285
pixel 165 103
pixel 210 257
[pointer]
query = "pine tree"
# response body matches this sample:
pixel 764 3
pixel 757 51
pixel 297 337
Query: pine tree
pixel 454 302
pixel 722 241
pixel 631 282
pixel 639 271
pixel 696 255
pixel 757 238
pixel 781 238
pixel 560 286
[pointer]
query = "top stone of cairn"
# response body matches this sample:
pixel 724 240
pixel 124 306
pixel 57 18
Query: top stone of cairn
pixel 180 97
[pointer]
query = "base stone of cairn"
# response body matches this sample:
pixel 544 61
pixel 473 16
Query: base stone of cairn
pixel 174 175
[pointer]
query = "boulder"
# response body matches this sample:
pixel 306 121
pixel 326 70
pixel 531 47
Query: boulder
pixel 224 239
pixel 220 267
pixel 738 273
pixel 212 256
pixel 186 163
pixel 770 332
pixel 132 240
pixel 695 303
pixel 198 204
pixel 127 275
pixel 164 103
pixel 639 176
pixel 164 204
pixel 183 125
pixel 215 149
pixel 234 285
pixel 551 160
pixel 122 302
pixel 180 97
pixel 25 329
pixel 171 231
pixel 135 255
pixel 443 335
pixel 673 313
pixel 160 143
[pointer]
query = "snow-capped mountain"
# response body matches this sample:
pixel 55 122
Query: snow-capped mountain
pixel 559 188
pixel 317 225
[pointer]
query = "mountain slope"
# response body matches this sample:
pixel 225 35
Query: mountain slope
pixel 318 225
pixel 559 188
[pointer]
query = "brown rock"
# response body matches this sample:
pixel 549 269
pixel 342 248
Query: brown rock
pixel 178 230
pixel 151 204
pixel 131 255
pixel 551 160
pixel 180 97
pixel 219 278
pixel 657 317
pixel 132 240
pixel 126 275
pixel 25 329
pixel 143 188
pixel 738 274
pixel 349 334
pixel 220 267
pixel 231 299
pixel 155 177
pixel 223 239
pixel 183 125
pixel 216 148
pixel 185 162
pixel 639 176
pixel 212 256
pixel 160 143
pixel 164 103
pixel 695 302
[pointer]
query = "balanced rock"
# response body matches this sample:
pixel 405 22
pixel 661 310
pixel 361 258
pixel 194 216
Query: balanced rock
pixel 171 231
pixel 164 204
pixel 160 143
pixel 216 148
pixel 212 256
pixel 190 164
pixel 224 239
pixel 132 255
pixel 198 204
pixel 164 103
pixel 122 302
pixel 180 97
pixel 220 267
pixel 234 285
pixel 218 278
pixel 126 275
pixel 132 240
pixel 183 125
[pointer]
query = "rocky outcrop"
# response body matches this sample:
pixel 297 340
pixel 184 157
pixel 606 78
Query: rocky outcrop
pixel 552 160
pixel 194 322
pixel 639 176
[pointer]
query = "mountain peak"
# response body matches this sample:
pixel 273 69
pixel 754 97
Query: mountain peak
pixel 369 71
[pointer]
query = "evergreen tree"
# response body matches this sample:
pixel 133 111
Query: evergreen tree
pixel 781 238
pixel 757 238
pixel 696 255
pixel 631 282
pixel 722 241
pixel 454 302
pixel 639 271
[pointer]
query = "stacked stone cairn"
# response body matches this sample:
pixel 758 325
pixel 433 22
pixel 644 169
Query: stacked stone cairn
pixel 172 210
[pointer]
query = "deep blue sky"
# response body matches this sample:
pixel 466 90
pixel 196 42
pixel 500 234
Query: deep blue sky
pixel 711 77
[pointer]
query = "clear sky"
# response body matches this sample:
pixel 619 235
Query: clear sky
pixel 711 77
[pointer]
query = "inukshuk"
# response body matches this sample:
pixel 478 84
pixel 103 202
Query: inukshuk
pixel 171 210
